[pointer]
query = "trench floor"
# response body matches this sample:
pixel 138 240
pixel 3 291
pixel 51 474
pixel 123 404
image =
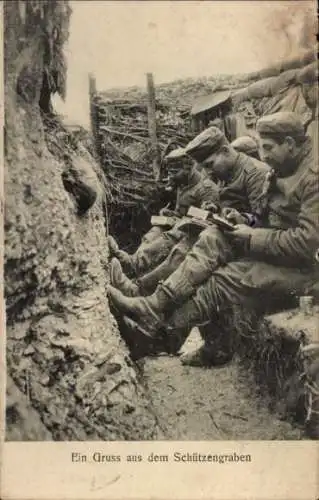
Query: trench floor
pixel 210 403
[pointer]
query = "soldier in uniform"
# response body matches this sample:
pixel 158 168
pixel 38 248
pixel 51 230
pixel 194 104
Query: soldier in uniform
pixel 272 261
pixel 244 180
pixel 192 189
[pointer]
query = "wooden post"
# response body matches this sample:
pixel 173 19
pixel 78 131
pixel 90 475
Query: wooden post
pixel 94 116
pixel 151 113
pixel 92 92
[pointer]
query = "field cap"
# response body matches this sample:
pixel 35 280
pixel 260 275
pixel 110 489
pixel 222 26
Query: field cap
pixel 281 124
pixel 245 144
pixel 175 155
pixel 205 144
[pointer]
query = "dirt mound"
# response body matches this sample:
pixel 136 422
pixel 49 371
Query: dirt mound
pixel 64 351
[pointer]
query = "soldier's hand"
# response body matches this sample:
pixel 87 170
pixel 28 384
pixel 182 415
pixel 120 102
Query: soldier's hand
pixel 209 205
pixel 166 212
pixel 241 232
pixel 233 216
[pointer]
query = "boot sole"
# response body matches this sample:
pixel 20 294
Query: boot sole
pixel 214 363
pixel 141 341
pixel 133 325
pixel 112 277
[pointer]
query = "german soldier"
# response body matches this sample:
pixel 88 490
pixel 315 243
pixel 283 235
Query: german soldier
pixel 277 259
pixel 244 180
pixel 192 189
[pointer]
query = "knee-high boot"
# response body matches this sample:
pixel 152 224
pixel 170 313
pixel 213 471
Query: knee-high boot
pixel 169 338
pixel 216 350
pixel 199 264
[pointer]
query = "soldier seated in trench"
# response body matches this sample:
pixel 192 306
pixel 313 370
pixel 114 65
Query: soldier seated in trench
pixel 193 189
pixel 243 181
pixel 251 267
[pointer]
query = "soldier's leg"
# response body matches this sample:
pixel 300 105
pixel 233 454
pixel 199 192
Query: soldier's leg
pixel 125 258
pixel 149 281
pixel 227 288
pixel 222 289
pixel 210 251
pixel 213 299
pixel 148 255
pixel 152 234
pixel 121 282
pixel 151 254
pixel 146 284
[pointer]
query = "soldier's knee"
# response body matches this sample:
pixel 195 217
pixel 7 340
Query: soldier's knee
pixel 154 233
pixel 177 256
pixel 208 236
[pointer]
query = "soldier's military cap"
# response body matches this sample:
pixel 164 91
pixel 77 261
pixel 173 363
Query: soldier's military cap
pixel 205 144
pixel 281 124
pixel 176 155
pixel 245 144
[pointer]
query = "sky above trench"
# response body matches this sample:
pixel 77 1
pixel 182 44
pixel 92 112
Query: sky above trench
pixel 120 41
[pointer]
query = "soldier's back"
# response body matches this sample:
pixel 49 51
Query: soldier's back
pixel 244 189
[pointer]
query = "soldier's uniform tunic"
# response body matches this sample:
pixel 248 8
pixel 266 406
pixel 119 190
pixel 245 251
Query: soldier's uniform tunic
pixel 156 247
pixel 243 193
pixel 281 256
pixel 278 260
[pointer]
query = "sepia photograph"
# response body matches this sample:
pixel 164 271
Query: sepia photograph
pixel 160 225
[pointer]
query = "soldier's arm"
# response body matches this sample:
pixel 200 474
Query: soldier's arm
pixel 208 193
pixel 298 243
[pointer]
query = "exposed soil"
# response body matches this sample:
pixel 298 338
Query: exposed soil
pixel 69 372
pixel 210 404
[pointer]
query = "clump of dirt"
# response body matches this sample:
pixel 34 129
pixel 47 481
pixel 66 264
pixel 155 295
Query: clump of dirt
pixel 64 350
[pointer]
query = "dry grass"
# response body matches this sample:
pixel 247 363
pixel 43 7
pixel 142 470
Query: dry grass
pixel 274 359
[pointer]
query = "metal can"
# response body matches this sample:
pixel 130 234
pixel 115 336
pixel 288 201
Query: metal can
pixel 306 304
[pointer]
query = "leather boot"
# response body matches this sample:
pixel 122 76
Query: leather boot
pixel 120 281
pixel 169 340
pixel 149 311
pixel 125 258
pixel 113 246
pixel 210 353
pixel 205 356
pixel 140 342
pixel 146 333
pixel 149 282
pixel 181 323
pixel 214 352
